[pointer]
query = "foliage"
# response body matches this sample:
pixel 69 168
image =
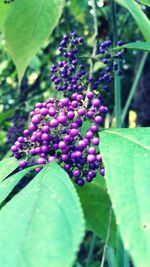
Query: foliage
pixel 43 216
pixel 128 188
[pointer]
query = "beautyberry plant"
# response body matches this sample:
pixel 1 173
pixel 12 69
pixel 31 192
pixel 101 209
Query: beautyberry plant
pixel 55 130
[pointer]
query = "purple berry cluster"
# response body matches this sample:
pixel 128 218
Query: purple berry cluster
pixel 55 130
pixel 70 75
pixel 55 134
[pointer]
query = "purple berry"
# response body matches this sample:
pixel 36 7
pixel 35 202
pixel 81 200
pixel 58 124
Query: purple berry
pixel 41 161
pixel 91 158
pixel 95 141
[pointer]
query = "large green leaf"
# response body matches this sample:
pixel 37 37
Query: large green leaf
pixel 28 26
pixel 42 225
pixel 96 206
pixel 7 166
pixel 135 46
pixel 145 2
pixel 126 154
pixel 139 16
pixel 4 10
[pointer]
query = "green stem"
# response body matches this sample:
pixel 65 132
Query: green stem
pixel 91 249
pixel 107 237
pixel 95 35
pixel 117 85
pixel 134 86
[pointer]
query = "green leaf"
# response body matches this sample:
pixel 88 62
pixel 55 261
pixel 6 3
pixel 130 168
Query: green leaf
pixel 4 10
pixel 6 114
pixel 7 185
pixel 139 16
pixel 144 2
pixel 42 225
pixel 78 9
pixel 126 154
pixel 135 46
pixel 28 26
pixel 7 166
pixel 96 206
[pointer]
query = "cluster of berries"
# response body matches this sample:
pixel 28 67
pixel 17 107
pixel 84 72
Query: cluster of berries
pixel 55 133
pixel 56 129
pixel 69 75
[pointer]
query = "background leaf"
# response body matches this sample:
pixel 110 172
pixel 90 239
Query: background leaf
pixel 139 16
pixel 26 33
pixel 6 114
pixel 7 166
pixel 96 206
pixel 126 154
pixel 43 225
pixel 78 9
pixel 144 2
pixel 136 46
pixel 4 10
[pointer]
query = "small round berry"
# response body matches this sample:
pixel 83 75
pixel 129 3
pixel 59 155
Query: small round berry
pixel 89 179
pixel 38 169
pixel 96 102
pixel 102 171
pixel 89 95
pixel 95 141
pixel 98 119
pixel 79 181
pixel 54 123
pixel 14 148
pixel 45 137
pixel 23 163
pixel 70 115
pixel 41 161
pixel 35 119
pixel 91 158
pixel 52 158
pixel 73 132
pixel 91 150
pixel 52 111
pixel 91 173
pixel 20 139
pixel 45 128
pixel 76 173
pixel 89 134
pixel 62 145
pixel 26 132
pixel 94 128
pixel 44 111
pixel 99 158
pixel 81 144
pixel 120 43
pixel 81 111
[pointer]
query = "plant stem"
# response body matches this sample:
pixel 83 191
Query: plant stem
pixel 122 254
pixel 91 249
pixel 94 46
pixel 134 86
pixel 107 237
pixel 117 85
